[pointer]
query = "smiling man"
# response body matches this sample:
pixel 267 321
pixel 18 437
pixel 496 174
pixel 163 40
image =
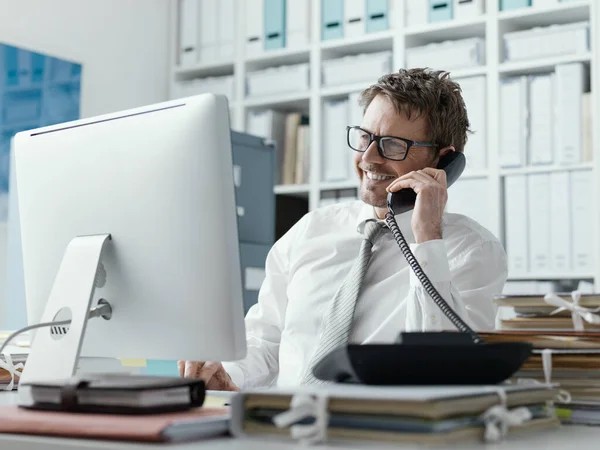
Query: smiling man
pixel 411 119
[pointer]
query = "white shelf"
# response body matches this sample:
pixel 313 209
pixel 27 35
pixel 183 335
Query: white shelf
pixel 340 91
pixel 545 169
pixel 275 58
pixel 551 276
pixel 336 185
pixel 299 101
pixel 468 72
pixel 292 189
pixel 513 68
pixel 203 70
pixel 447 30
pixel 471 174
pixel 574 11
pixel 368 43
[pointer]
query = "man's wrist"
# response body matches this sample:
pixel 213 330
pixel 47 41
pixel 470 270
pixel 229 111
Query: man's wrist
pixel 427 235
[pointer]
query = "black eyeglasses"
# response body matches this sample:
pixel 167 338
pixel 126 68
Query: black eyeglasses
pixel 389 147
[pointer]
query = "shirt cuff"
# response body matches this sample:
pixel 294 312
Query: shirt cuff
pixel 433 259
pixel 236 373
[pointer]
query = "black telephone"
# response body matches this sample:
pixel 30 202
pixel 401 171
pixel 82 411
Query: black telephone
pixel 431 357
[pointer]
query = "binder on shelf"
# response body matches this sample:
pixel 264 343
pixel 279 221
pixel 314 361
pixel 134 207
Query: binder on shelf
pixel 541 106
pixel 587 148
pixel 355 115
pixel 540 42
pixel 354 18
pixel 226 44
pixel 208 50
pixel 377 15
pixel 189 14
pixel 270 124
pixel 470 197
pixel 543 3
pixel 254 27
pixel 515 224
pixel 38 68
pixel 332 19
pixel 274 11
pixel 506 5
pixel 582 220
pixel 569 89
pixel 474 94
pixel 560 223
pixel 25 69
pixel 335 148
pixel 466 9
pixel 456 54
pixel 416 13
pixel 366 67
pixel 297 25
pixel 277 80
pixel 538 190
pixel 440 10
pixel 513 121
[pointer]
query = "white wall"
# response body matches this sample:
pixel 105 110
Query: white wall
pixel 123 46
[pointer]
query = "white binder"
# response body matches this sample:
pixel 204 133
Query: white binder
pixel 539 219
pixel 354 18
pixel 297 24
pixel 581 214
pixel 474 95
pixel 188 32
pixel 416 13
pixel 569 89
pixel 254 27
pixel 513 121
pixel 541 139
pixel 226 44
pixel 515 224
pixel 560 222
pixel 335 149
pixel 208 14
pixel 470 197
pixel 467 9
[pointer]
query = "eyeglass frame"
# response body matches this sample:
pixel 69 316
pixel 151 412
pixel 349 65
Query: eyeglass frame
pixel 375 138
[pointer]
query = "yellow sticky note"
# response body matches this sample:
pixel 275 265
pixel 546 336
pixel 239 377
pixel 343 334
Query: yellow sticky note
pixel 133 362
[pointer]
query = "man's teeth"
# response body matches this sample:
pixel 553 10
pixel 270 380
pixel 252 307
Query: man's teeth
pixel 377 177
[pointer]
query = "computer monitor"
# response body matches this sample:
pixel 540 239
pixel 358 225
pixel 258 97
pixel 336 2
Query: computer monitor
pixel 159 181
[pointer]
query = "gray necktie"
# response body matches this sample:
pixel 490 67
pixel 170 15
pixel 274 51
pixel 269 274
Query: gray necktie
pixel 338 322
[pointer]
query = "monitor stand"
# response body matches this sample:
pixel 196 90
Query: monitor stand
pixel 55 350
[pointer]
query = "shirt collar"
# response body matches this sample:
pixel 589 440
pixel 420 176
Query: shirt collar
pixel 367 212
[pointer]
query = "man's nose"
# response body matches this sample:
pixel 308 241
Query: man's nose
pixel 372 155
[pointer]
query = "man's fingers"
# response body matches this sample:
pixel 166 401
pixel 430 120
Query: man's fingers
pixel 192 368
pixel 207 371
pixel 181 368
pixel 221 381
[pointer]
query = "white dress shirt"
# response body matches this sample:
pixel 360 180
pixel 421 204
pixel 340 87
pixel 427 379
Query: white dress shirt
pixel 307 265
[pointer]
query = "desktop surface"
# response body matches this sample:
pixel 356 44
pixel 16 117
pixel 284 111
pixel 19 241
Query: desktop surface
pixel 583 438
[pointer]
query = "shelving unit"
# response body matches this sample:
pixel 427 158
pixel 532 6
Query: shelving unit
pixel 492 25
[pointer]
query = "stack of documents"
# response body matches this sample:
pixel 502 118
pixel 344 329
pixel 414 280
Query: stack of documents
pixel 14 355
pixel 278 80
pixel 367 67
pixel 532 312
pixel 540 42
pixel 458 54
pixel 424 415
pixel 572 361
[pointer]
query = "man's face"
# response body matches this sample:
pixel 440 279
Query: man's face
pixel 382 119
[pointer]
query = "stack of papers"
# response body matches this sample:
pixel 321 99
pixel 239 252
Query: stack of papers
pixel 572 361
pixel 17 354
pixel 416 414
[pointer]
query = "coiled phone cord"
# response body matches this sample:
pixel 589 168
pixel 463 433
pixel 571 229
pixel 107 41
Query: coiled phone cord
pixel 431 290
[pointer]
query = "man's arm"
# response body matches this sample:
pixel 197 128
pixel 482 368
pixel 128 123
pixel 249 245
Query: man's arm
pixel 467 282
pixel 265 320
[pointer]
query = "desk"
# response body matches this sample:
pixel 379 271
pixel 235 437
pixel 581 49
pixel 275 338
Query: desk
pixel 581 438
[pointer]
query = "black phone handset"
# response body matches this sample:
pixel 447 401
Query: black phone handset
pixel 425 358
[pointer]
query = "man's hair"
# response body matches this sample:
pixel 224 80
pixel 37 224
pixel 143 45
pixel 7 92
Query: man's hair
pixel 427 93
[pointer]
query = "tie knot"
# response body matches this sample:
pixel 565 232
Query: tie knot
pixel 372 229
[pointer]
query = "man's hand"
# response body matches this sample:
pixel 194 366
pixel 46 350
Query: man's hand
pixel 430 186
pixel 213 374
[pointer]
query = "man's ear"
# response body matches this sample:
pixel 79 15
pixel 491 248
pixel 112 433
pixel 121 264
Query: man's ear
pixel 444 151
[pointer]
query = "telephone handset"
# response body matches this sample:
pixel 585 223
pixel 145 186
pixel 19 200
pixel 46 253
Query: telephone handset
pixel 425 357
pixel 453 163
